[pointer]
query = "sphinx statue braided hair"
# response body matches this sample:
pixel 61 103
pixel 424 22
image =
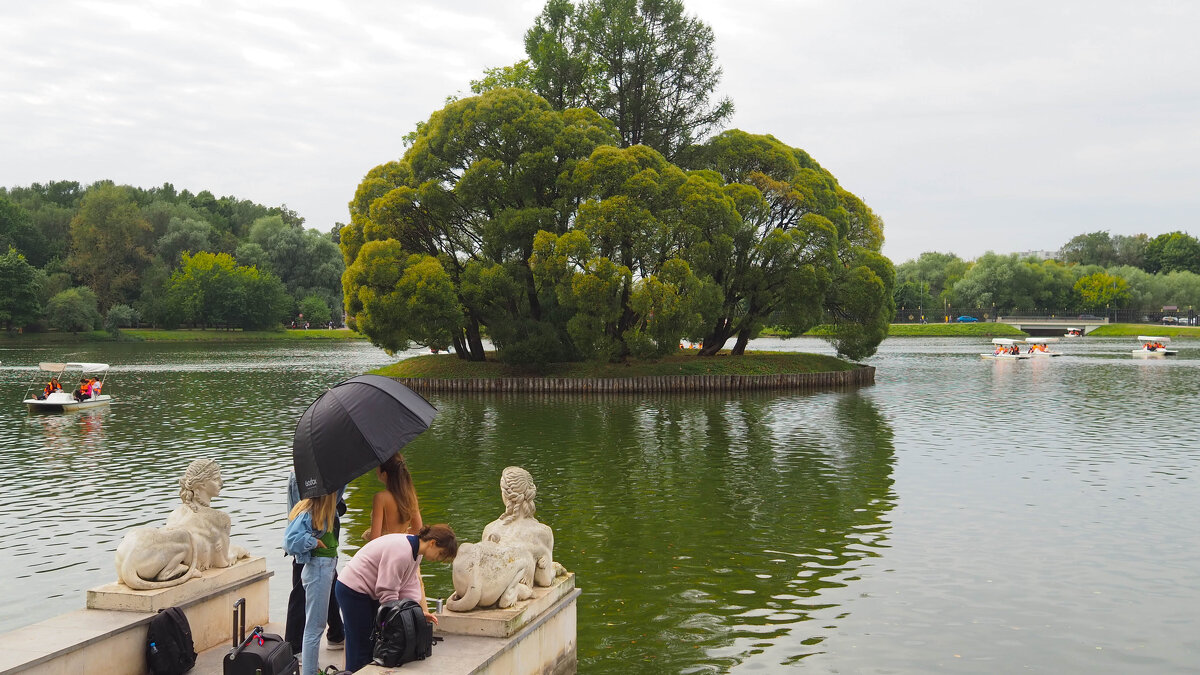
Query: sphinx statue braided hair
pixel 518 491
pixel 198 472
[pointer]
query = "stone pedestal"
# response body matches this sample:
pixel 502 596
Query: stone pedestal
pixel 542 640
pixel 506 622
pixel 109 637
pixel 206 600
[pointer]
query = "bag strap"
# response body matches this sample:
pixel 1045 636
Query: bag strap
pixel 410 615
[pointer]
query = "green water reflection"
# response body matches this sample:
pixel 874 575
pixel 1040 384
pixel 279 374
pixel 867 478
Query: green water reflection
pixel 698 526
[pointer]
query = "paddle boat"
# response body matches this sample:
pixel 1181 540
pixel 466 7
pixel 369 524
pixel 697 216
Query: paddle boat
pixel 1153 347
pixel 40 398
pixel 1074 332
pixel 1040 346
pixel 1006 350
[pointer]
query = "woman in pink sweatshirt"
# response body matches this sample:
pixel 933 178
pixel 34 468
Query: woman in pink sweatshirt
pixel 385 569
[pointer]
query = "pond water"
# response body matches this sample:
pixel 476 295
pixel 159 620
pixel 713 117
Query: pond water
pixel 961 515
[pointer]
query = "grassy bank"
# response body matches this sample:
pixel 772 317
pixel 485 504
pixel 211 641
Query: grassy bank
pixel 240 335
pixel 1132 330
pixel 448 366
pixel 151 335
pixel 981 329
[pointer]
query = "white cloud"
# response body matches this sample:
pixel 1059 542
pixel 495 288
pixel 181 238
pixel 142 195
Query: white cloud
pixel 966 126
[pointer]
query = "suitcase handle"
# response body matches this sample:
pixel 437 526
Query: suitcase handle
pixel 239 636
pixel 237 649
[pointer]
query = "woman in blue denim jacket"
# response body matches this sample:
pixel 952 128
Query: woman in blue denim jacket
pixel 311 538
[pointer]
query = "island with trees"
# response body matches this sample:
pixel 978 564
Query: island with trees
pixel 584 206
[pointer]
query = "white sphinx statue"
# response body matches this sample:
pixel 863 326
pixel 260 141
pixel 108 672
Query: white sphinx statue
pixel 516 554
pixel 195 538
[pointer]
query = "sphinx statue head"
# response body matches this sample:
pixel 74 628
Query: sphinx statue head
pixel 195 538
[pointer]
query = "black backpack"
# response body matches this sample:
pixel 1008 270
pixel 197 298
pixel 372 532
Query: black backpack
pixel 401 634
pixel 169 649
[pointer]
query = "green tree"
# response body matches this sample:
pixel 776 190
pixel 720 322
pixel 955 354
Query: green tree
pixel 315 310
pixel 1010 283
pixel 621 269
pixel 518 75
pixel 1174 251
pixel 74 310
pixel 1101 290
pixel 801 250
pixel 1093 248
pixel 120 316
pixel 190 236
pixel 211 289
pixel 307 261
pixel 206 290
pixel 483 176
pixel 643 64
pixel 397 299
pixel 17 230
pixel 1130 250
pixel 937 272
pixel 914 295
pixel 19 305
pixel 109 242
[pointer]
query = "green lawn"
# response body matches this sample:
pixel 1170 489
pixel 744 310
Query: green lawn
pixel 190 335
pixel 981 329
pixel 448 366
pixel 1135 329
pixel 240 336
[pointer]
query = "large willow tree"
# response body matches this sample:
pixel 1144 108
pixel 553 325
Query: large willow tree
pixel 804 252
pixel 456 217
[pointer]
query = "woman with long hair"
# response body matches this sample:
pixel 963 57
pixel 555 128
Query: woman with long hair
pixel 394 510
pixel 312 539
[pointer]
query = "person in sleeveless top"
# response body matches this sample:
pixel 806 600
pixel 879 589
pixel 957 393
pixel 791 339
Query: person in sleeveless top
pixel 394 510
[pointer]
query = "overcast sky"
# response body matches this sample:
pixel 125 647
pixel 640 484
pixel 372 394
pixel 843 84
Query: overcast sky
pixel 968 126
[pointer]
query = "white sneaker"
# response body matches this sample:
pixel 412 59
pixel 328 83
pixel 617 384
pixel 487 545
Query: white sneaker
pixel 334 646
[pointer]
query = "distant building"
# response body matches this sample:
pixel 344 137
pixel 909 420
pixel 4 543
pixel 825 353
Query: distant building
pixel 1040 255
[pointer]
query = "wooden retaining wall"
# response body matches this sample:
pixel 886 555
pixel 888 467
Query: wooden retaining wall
pixel 860 376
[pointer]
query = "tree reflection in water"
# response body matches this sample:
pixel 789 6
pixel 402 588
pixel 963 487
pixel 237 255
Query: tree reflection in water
pixel 704 529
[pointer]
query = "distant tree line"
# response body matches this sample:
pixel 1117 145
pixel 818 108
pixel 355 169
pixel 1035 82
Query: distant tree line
pixel 579 207
pixel 79 258
pixel 1093 272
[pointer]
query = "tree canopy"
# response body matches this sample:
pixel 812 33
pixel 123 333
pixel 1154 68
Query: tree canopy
pixel 483 176
pixel 510 216
pixel 645 65
pixel 124 243
pixel 19 305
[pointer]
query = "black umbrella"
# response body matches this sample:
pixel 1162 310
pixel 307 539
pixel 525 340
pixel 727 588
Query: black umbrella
pixel 353 428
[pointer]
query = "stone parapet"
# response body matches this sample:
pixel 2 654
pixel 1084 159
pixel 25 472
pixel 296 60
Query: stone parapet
pixel 109 637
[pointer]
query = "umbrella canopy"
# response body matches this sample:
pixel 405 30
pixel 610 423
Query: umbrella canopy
pixel 353 428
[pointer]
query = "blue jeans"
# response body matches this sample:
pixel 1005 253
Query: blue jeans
pixel 358 615
pixel 317 577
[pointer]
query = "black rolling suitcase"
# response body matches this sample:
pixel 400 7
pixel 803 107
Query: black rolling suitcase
pixel 258 653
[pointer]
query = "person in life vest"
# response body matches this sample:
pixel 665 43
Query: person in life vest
pixel 84 391
pixel 96 386
pixel 51 387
